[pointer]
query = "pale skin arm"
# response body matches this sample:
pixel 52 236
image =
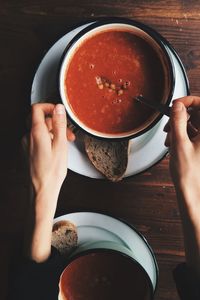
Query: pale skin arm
pixel 185 172
pixel 48 169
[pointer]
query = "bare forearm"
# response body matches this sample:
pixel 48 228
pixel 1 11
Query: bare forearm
pixel 38 246
pixel 48 169
pixel 184 146
pixel 188 200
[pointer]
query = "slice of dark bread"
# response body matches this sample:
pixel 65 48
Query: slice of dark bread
pixel 64 237
pixel 109 158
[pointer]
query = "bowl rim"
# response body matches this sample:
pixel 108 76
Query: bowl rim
pixel 110 251
pixel 131 226
pixel 157 37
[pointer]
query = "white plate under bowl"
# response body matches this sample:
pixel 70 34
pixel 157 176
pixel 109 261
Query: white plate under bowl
pixel 94 227
pixel 145 150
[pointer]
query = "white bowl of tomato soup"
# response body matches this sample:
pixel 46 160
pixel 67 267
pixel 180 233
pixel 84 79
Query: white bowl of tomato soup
pixel 104 67
pixel 104 274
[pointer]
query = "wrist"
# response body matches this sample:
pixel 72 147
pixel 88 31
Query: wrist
pixel 41 217
pixel 45 203
pixel 46 187
pixel 188 196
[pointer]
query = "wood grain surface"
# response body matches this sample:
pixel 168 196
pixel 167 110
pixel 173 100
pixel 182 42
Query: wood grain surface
pixel 147 201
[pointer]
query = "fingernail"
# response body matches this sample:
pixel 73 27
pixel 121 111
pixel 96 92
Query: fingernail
pixel 59 109
pixel 177 106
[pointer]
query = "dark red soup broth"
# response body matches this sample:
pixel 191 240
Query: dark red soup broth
pixel 105 73
pixel 104 276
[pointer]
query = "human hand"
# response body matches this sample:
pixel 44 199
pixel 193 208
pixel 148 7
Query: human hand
pixel 48 168
pixel 185 167
pixel 48 147
pixel 184 143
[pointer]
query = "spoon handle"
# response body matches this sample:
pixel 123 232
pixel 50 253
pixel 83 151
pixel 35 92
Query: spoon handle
pixel 162 108
pixel 165 110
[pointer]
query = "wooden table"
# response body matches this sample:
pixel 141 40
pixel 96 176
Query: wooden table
pixel 148 201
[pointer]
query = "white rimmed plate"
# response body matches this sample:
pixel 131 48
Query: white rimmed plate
pixel 145 150
pixel 95 227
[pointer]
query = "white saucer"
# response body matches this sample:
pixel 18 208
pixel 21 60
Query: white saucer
pixel 93 227
pixel 146 149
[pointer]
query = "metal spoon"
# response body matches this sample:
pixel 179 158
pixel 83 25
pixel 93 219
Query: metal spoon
pixel 162 108
pixel 165 110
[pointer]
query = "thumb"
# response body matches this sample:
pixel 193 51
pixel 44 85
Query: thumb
pixel 178 121
pixel 59 124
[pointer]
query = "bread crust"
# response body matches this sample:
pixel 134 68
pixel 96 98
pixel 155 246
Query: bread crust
pixel 59 224
pixel 108 157
pixel 64 236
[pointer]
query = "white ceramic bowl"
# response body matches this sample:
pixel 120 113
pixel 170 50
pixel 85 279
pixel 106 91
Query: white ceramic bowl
pixel 88 273
pixel 154 40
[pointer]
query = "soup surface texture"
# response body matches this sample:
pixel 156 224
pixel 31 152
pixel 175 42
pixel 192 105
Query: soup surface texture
pixel 104 75
pixel 105 276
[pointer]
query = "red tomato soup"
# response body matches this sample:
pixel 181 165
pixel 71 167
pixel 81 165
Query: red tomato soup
pixel 106 276
pixel 103 76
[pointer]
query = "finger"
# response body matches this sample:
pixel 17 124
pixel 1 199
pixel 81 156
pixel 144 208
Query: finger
pixel 167 127
pixel 192 131
pixel 188 101
pixel 193 108
pixel 70 135
pixel 167 140
pixel 59 123
pixel 39 111
pixel 195 119
pixel 178 122
pixel 48 121
pixel 196 139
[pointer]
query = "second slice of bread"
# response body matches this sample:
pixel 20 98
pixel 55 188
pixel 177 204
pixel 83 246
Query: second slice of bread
pixel 64 236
